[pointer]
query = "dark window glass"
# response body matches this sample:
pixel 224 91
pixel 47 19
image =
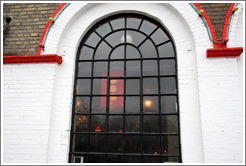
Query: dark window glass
pixel 126 102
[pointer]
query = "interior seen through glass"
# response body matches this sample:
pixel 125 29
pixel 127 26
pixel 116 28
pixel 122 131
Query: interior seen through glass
pixel 126 101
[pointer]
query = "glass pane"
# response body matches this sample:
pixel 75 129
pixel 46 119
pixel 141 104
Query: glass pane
pixel 168 104
pixel 80 142
pixel 134 37
pixel 93 40
pixel 132 159
pixel 132 123
pixel 103 29
pixel 133 23
pixel 132 52
pixel 170 144
pixel 100 69
pixel 152 144
pixel 116 104
pixel 150 104
pixel 170 160
pixel 169 123
pixel 97 143
pixel 151 124
pixel 82 105
pixel 116 86
pixel 132 86
pixel 159 36
pixel 86 53
pixel 116 68
pixel 83 87
pixel 98 123
pixel 100 86
pixel 148 50
pixel 132 105
pixel 147 159
pixel 102 51
pixel 133 68
pixel 118 23
pixel 167 67
pixel 115 143
pixel 150 86
pixel 115 123
pixel 98 105
pixel 150 67
pixel 81 123
pixel 84 69
pixel 166 50
pixel 118 53
pixel 115 38
pixel 96 158
pixel 133 144
pixel 79 159
pixel 147 27
pixel 168 85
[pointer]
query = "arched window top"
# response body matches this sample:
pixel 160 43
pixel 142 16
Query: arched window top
pixel 126 34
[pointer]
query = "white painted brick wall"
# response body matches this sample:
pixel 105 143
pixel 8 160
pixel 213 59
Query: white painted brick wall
pixel 210 102
pixel 27 103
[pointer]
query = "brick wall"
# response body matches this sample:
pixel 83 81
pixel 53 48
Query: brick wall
pixel 28 21
pixel 216 12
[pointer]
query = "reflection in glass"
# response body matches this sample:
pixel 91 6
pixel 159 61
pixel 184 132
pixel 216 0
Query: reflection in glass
pixel 150 67
pixel 132 86
pixel 84 69
pixel 86 53
pixel 167 67
pixel 100 69
pixel 150 104
pixel 116 123
pixel 151 124
pixel 82 105
pixel 133 144
pixel 168 85
pixel 150 86
pixel 169 123
pixel 166 50
pixel 93 40
pixel 148 50
pixel 115 38
pixel 83 87
pixel 118 53
pixel 132 104
pixel 137 37
pixel 132 123
pixel 133 68
pixel 116 86
pixel 98 123
pixel 116 104
pixel 152 144
pixel 98 105
pixel 169 104
pixel 81 123
pixel 100 86
pixel 115 143
pixel 102 51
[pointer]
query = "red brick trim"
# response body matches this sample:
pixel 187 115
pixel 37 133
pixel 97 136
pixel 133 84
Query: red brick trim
pixel 224 52
pixel 46 28
pixel 226 21
pixel 50 58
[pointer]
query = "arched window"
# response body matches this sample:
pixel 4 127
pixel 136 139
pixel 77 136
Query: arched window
pixel 126 97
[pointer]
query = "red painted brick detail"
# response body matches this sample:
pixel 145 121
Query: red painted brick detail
pixel 224 52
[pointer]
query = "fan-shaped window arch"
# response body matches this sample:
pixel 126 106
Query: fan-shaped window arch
pixel 126 97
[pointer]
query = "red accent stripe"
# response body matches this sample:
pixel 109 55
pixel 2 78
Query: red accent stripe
pixel 226 21
pixel 211 28
pixel 46 28
pixel 224 52
pixel 49 58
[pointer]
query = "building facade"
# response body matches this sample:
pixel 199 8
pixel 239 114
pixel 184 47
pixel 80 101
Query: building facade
pixel 123 82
